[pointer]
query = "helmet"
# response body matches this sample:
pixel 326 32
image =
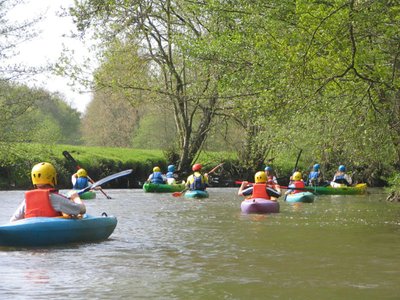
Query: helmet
pixel 316 167
pixel 268 168
pixel 296 176
pixel 156 169
pixel 342 168
pixel 81 173
pixel 197 167
pixel 44 173
pixel 171 168
pixel 260 177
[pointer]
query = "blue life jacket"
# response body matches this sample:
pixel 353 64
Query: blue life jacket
pixel 170 175
pixel 198 183
pixel 157 178
pixel 341 179
pixel 313 175
pixel 81 183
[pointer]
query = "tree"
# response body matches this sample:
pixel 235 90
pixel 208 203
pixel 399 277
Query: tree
pixel 162 30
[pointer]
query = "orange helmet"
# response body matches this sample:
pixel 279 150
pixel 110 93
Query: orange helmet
pixel 197 167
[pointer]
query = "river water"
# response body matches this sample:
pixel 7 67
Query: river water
pixel 164 247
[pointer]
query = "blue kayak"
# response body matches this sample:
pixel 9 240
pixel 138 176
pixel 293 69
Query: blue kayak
pixel 196 194
pixel 44 231
pixel 305 197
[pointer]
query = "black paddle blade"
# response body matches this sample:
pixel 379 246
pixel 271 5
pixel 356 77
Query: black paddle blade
pixel 69 157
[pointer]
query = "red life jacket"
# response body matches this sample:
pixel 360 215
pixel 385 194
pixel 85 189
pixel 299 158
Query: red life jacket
pixel 298 184
pixel 260 191
pixel 38 204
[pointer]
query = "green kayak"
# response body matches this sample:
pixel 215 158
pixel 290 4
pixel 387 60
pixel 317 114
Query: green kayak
pixel 85 196
pixel 163 188
pixel 358 189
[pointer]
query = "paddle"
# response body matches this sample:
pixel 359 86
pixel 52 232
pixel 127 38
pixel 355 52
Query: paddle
pixel 295 168
pixel 71 159
pixel 105 180
pixel 178 194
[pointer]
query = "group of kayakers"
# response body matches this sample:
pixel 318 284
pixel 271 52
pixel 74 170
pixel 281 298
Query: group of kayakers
pixel 266 185
pixel 46 201
pixel 195 181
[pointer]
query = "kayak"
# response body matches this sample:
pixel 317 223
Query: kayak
pixel 358 189
pixel 85 196
pixel 306 197
pixel 45 231
pixel 259 206
pixel 163 187
pixel 196 194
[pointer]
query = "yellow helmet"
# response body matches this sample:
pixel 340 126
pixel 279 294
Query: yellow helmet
pixel 156 169
pixel 81 173
pixel 260 177
pixel 296 176
pixel 44 173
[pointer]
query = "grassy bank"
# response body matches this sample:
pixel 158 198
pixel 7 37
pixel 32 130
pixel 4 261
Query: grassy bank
pixel 16 165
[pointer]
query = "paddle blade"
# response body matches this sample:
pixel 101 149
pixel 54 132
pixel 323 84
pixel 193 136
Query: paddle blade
pixel 105 180
pixel 177 194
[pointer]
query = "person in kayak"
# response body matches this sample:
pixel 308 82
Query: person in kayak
pixel 341 178
pixel 171 176
pixel 315 178
pixel 156 177
pixel 260 189
pixel 271 178
pixel 44 200
pixel 297 185
pixel 197 181
pixel 80 179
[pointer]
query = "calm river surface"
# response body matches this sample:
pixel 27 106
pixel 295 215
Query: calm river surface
pixel 340 247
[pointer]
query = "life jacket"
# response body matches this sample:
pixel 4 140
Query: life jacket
pixel 341 179
pixel 197 182
pixel 313 178
pixel 297 184
pixel 157 178
pixel 271 180
pixel 170 175
pixel 260 191
pixel 38 204
pixel 81 183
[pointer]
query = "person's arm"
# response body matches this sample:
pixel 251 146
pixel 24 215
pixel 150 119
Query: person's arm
pixel 73 179
pixel 65 205
pixel 19 213
pixel 348 179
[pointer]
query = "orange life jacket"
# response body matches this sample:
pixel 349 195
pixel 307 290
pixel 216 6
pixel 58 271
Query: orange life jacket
pixel 298 184
pixel 260 191
pixel 38 204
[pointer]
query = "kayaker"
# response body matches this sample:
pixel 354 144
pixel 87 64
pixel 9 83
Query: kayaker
pixel 260 189
pixel 44 200
pixel 156 177
pixel 297 185
pixel 197 181
pixel 80 179
pixel 341 177
pixel 171 176
pixel 315 178
pixel 271 179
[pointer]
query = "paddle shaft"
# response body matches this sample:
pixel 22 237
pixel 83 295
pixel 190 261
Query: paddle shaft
pixel 70 158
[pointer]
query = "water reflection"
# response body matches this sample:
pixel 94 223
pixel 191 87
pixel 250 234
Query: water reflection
pixel 176 248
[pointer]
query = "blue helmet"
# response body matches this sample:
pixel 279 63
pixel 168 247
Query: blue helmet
pixel 267 168
pixel 316 167
pixel 171 168
pixel 342 168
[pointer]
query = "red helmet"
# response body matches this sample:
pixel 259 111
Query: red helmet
pixel 197 167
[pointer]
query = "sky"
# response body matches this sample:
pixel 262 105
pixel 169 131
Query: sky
pixel 47 48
